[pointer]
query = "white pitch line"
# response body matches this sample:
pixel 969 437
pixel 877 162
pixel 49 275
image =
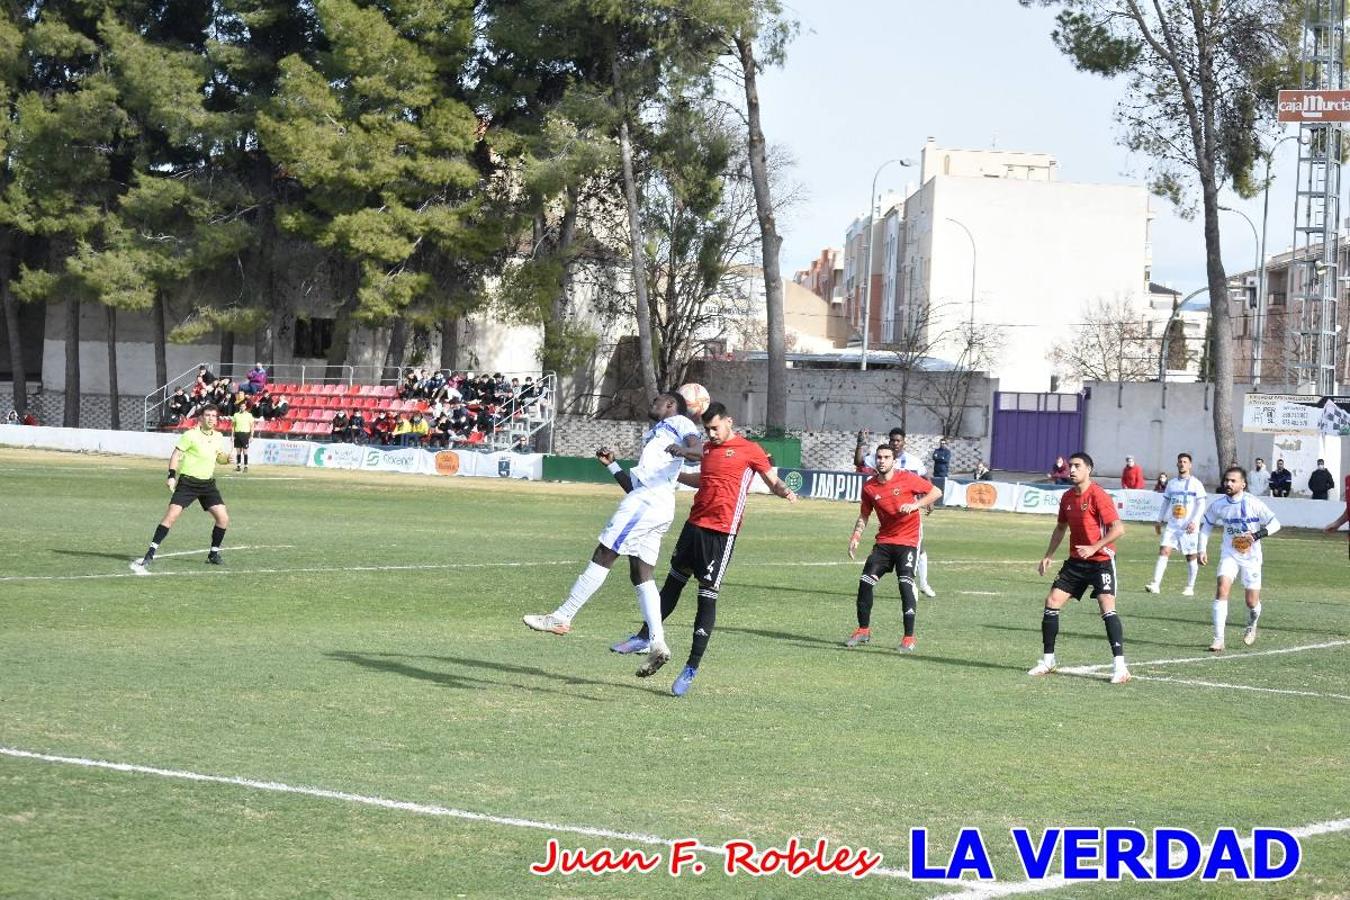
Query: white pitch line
pixel 1241 687
pixel 1213 657
pixel 979 593
pixel 424 809
pixel 228 550
pixel 931 562
pixel 197 573
pixel 986 891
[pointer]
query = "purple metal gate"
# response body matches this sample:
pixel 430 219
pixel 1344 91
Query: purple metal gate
pixel 1030 430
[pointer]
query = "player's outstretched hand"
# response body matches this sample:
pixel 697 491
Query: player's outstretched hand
pixel 1083 551
pixel 1044 566
pixel 791 497
pixel 1157 528
pixel 1204 557
pixel 172 483
pixel 907 508
pixel 1192 528
pixel 605 455
pixel 853 547
pixel 675 450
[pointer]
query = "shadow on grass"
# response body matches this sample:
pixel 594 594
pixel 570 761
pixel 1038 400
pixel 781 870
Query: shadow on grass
pixel 801 640
pixel 876 648
pixel 1130 639
pixel 93 554
pixel 389 662
pixel 1238 606
pixel 778 588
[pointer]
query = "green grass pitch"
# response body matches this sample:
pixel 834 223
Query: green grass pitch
pixel 365 637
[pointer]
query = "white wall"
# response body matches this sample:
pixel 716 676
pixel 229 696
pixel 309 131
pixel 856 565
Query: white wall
pixel 1045 250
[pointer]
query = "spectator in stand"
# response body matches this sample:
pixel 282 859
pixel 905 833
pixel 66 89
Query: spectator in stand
pixel 1258 479
pixel 418 429
pixel 515 388
pixel 485 421
pixel 257 380
pixel 501 388
pixel 1281 480
pixel 460 422
pixel 433 385
pixel 528 390
pixel 281 407
pixel 439 436
pixel 205 381
pixel 178 407
pixel 468 389
pixel 1132 476
pixel 407 387
pixel 1321 482
pixel 522 445
pixel 382 429
pixel 12 417
pixel 357 426
pixel 30 419
pixel 264 406
pixel 435 410
pixel 1160 486
pixel 342 426
pixel 401 430
pixel 451 391
pixel 1060 473
pixel 981 472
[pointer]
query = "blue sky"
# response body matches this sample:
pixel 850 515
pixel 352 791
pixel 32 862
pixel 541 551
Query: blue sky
pixel 868 80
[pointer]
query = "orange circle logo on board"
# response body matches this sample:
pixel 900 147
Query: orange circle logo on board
pixel 447 463
pixel 981 496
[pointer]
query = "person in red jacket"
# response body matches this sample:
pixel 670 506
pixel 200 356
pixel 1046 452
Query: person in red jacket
pixel 1132 476
pixel 1344 517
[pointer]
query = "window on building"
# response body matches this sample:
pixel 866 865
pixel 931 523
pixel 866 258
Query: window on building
pixel 313 337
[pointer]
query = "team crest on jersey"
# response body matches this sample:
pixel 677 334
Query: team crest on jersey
pixel 730 453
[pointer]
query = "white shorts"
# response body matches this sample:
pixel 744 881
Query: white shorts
pixel 1231 566
pixel 1177 538
pixel 637 526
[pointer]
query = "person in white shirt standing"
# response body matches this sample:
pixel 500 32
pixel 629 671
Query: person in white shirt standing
pixel 637 526
pixel 1245 521
pixel 1258 479
pixel 904 461
pixel 1178 523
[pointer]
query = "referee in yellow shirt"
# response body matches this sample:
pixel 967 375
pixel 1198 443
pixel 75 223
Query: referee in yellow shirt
pixel 192 476
pixel 242 424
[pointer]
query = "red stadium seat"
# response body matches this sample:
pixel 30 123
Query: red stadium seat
pixel 317 415
pixel 367 390
pixel 386 391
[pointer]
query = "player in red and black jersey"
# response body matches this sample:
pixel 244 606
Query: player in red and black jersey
pixel 1089 515
pixel 728 466
pixel 897 496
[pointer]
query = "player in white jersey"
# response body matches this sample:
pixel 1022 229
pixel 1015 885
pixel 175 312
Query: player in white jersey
pixel 1183 508
pixel 637 526
pixel 908 462
pixel 1245 521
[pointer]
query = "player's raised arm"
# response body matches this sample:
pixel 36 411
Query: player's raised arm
pixel 689 450
pixel 691 479
pixel 606 457
pixel 859 454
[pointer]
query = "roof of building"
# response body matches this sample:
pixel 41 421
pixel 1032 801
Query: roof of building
pixel 1155 288
pixel 852 356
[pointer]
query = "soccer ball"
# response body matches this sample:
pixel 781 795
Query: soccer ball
pixel 695 397
pixel 222 457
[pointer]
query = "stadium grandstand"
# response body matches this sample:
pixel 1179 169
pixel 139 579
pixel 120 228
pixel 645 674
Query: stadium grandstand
pixel 424 407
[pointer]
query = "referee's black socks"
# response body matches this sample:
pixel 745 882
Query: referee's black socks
pixel 217 538
pixel 161 532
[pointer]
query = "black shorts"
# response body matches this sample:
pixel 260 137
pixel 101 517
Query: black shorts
pixel 204 492
pixel 1077 575
pixel 702 553
pixel 241 439
pixel 885 557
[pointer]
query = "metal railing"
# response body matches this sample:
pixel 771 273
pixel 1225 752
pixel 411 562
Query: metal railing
pixel 527 416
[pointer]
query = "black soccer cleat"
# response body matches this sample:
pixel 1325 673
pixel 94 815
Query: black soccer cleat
pixel 214 558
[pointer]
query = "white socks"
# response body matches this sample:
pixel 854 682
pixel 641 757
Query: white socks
pixel 1119 662
pixel 1159 568
pixel 1253 613
pixel 1220 619
pixel 587 583
pixel 1192 570
pixel 921 571
pixel 649 601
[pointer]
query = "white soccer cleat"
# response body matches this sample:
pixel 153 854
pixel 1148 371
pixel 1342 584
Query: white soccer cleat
pixel 1216 647
pixel 927 591
pixel 1249 635
pixel 549 623
pixel 1153 587
pixel 658 654
pixel 1042 668
pixel 139 567
pixel 1188 591
pixel 1120 676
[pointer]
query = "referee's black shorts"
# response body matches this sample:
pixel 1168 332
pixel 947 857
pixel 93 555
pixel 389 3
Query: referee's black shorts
pixel 704 554
pixel 1077 575
pixel 189 489
pixel 241 439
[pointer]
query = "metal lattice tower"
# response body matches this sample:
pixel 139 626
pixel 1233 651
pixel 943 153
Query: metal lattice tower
pixel 1314 295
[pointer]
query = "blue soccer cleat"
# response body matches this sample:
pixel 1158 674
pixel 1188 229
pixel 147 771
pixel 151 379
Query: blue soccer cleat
pixel 631 644
pixel 684 681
